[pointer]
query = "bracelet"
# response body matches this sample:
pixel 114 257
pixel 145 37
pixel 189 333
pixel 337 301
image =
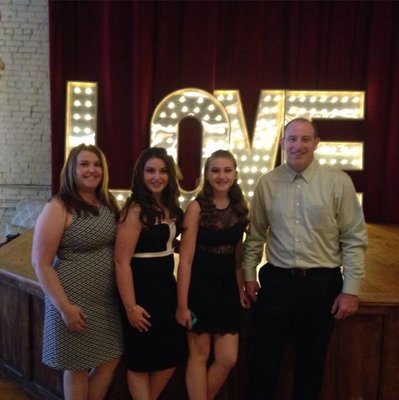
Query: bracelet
pixel 131 309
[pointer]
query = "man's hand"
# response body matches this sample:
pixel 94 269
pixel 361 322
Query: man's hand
pixel 344 305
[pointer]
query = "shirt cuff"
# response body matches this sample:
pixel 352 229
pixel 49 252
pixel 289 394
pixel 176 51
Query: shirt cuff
pixel 351 286
pixel 249 274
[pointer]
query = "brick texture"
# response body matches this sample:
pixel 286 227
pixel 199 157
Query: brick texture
pixel 25 148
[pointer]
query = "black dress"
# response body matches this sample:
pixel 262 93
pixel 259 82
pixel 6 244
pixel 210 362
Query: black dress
pixel 213 294
pixel 164 345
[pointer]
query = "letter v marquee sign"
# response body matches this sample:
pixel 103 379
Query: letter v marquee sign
pixel 224 127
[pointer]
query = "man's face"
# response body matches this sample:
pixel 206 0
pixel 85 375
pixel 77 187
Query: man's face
pixel 299 144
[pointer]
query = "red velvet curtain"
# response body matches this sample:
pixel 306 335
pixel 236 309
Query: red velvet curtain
pixel 140 51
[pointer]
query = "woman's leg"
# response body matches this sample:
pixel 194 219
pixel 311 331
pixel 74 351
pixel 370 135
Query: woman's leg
pixel 76 385
pixel 100 379
pixel 158 381
pixel 139 385
pixel 196 373
pixel 226 353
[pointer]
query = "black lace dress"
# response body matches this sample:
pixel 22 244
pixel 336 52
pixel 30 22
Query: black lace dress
pixel 213 294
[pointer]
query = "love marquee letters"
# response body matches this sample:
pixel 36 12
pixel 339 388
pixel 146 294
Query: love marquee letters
pixel 223 126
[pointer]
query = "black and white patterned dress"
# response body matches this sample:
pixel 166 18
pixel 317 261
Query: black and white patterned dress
pixel 85 266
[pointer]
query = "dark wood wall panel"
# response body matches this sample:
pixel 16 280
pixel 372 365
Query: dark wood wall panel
pixel 389 387
pixel 353 362
pixel 42 375
pixel 15 328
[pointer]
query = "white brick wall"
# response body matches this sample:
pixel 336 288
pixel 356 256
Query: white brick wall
pixel 25 149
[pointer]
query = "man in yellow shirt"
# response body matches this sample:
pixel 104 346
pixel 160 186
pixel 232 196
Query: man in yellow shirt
pixel 312 223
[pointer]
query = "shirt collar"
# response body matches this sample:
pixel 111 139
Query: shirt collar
pixel 307 173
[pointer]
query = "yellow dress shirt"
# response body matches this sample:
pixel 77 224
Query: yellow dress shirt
pixel 307 220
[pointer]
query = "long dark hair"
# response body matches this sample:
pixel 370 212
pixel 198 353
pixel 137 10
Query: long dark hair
pixel 68 192
pixel 205 196
pixel 151 212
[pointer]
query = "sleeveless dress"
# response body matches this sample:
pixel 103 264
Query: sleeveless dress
pixel 85 267
pixel 164 345
pixel 213 294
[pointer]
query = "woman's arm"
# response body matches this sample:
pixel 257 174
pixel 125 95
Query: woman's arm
pixel 187 251
pixel 47 236
pixel 127 235
pixel 245 302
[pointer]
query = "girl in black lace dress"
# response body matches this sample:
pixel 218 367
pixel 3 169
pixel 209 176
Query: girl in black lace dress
pixel 210 284
pixel 150 222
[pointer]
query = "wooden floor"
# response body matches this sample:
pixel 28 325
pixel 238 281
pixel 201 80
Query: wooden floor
pixel 11 392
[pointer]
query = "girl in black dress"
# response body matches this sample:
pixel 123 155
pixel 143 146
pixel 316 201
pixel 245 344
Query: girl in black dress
pixel 210 283
pixel 150 222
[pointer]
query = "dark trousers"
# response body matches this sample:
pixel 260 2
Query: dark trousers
pixel 295 306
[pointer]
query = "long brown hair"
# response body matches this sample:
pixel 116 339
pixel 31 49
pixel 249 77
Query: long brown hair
pixel 68 192
pixel 150 211
pixel 205 196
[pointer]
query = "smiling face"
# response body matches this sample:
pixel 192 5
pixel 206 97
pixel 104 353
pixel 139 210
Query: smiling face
pixel 88 171
pixel 155 176
pixel 299 143
pixel 221 174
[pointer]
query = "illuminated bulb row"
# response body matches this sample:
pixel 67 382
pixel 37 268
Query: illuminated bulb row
pixel 343 163
pixel 272 98
pixel 324 99
pixel 87 103
pixel 255 158
pixel 324 112
pixel 77 117
pixel 81 114
pixel 78 130
pixel 79 90
pixel 225 98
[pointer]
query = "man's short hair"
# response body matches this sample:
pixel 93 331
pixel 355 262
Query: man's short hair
pixel 306 120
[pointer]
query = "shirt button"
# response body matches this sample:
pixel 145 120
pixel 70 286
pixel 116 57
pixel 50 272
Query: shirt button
pixel 297 221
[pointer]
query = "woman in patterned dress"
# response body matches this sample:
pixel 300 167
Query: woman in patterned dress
pixel 73 260
pixel 210 282
pixel 150 221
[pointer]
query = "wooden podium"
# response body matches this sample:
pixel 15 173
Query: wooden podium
pixel 362 362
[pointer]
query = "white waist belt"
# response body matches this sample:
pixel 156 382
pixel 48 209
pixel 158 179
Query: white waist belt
pixel 157 254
